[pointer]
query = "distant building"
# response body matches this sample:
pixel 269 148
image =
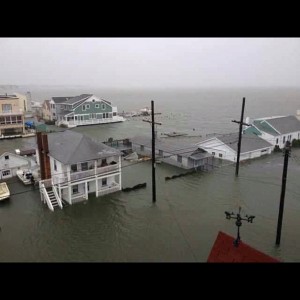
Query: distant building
pixel 86 109
pixel 225 146
pixel 78 166
pixel 46 111
pixel 276 130
pixel 224 251
pixel 181 155
pixel 55 108
pixel 11 115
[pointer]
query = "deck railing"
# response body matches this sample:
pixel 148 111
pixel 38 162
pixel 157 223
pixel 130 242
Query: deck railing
pixel 63 178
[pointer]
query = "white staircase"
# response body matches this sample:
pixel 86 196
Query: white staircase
pixel 53 198
pixel 49 194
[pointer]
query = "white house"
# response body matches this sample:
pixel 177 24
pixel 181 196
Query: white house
pixel 10 163
pixel 276 130
pixel 225 146
pixel 79 166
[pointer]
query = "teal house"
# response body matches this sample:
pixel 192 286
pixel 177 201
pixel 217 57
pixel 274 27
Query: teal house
pixel 86 109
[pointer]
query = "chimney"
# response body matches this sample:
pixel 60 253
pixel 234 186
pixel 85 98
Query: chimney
pixel 43 149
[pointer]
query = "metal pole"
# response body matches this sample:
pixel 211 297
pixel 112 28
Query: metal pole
pixel 153 154
pixel 281 205
pixel 240 140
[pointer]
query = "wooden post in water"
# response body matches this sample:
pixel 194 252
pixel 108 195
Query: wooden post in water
pixel 240 137
pixel 153 151
pixel 284 176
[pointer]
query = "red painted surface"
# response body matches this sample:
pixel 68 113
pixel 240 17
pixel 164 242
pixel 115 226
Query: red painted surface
pixel 224 250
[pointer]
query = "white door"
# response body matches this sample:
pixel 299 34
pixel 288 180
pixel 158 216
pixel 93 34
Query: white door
pixel 5 174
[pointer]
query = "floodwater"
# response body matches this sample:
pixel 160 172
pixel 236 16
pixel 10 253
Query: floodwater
pixel 189 212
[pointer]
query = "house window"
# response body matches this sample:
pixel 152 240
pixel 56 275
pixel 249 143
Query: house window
pixel 179 158
pixel 88 186
pixel 74 168
pixel 213 153
pixel 277 141
pixel 53 105
pixel 283 139
pixel 84 166
pixel 6 173
pixel 55 167
pixel 104 162
pixel 87 106
pixel 93 100
pixel 53 114
pixel 6 108
pixel 96 105
pixel 220 155
pixel 114 114
pixel 103 106
pixel 6 157
pixel 83 107
pixel 104 181
pixel 75 189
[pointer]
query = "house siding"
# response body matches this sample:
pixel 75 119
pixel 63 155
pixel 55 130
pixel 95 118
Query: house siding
pixel 79 110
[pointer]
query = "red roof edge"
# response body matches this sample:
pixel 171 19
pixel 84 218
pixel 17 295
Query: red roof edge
pixel 224 251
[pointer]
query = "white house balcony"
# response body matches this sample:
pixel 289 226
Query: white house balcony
pixel 76 176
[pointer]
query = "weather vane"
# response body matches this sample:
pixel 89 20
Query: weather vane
pixel 238 223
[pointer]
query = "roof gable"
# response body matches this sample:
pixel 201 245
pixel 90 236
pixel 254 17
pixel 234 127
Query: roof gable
pixel 224 251
pixel 59 100
pixel 250 142
pixel 76 99
pixel 285 125
pixel 264 126
pixel 70 147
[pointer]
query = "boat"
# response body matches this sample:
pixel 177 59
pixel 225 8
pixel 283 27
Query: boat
pixel 4 191
pixel 25 176
pixel 145 111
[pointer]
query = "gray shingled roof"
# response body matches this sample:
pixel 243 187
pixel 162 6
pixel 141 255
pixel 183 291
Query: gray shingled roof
pixel 61 99
pixel 250 142
pixel 183 149
pixel 78 98
pixel 285 124
pixel 70 147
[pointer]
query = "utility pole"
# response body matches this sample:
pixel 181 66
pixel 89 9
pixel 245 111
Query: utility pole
pixel 153 151
pixel 240 138
pixel 238 223
pixel 284 176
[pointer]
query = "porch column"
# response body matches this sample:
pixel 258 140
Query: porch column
pixel 120 175
pixel 96 187
pixel 86 191
pixel 70 193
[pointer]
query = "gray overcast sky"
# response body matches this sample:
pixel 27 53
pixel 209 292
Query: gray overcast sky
pixel 150 62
